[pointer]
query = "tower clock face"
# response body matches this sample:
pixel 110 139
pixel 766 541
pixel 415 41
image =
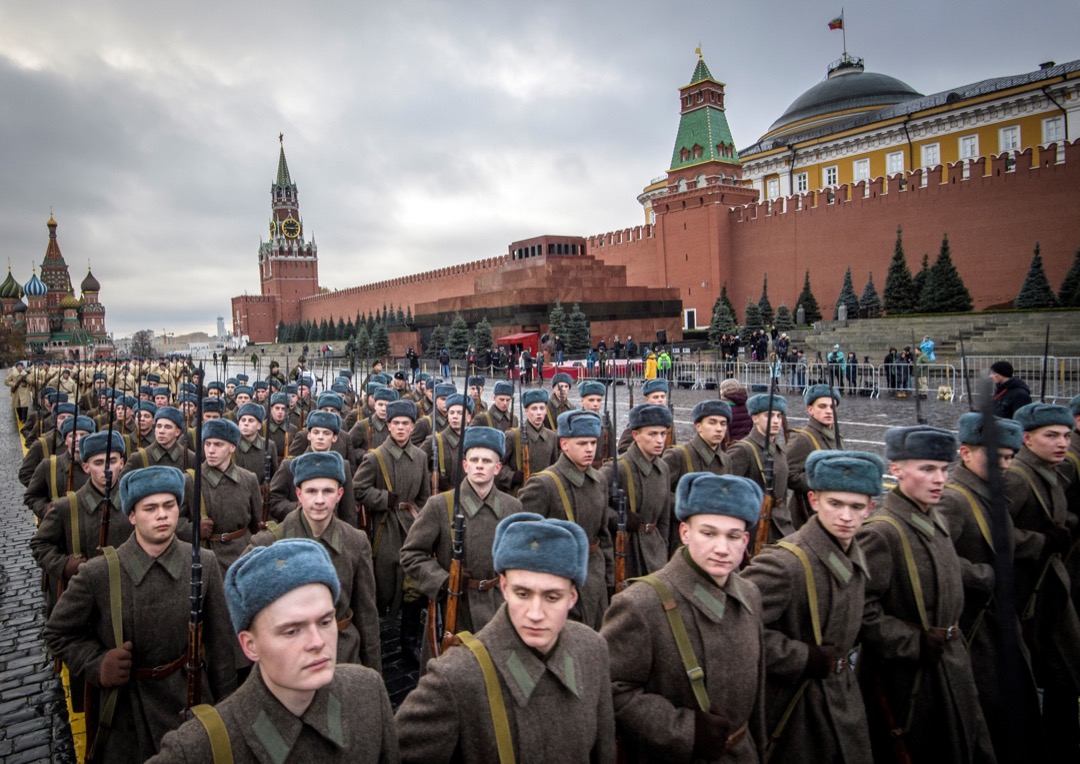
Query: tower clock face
pixel 291 228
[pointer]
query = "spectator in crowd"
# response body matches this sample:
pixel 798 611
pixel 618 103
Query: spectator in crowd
pixel 837 361
pixel 852 372
pixel 888 365
pixel 1010 393
pixel 663 364
pixel 650 366
pixel 733 394
pixel 927 347
pixel 590 362
pixel 444 363
pixel 799 367
pixel 922 372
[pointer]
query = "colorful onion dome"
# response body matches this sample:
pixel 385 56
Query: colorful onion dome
pixel 10 290
pixel 35 287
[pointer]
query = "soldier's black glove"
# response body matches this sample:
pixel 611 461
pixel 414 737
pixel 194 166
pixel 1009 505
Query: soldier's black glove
pixel 517 479
pixel 1058 540
pixel 391 500
pixel 931 647
pixel 820 661
pixel 710 736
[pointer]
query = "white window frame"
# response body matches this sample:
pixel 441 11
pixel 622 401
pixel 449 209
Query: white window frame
pixel 832 170
pixel 1009 138
pixel 860 170
pixel 690 313
pixel 772 188
pixel 968 146
pixel 931 154
pixel 894 162
pixel 1053 130
pixel 802 183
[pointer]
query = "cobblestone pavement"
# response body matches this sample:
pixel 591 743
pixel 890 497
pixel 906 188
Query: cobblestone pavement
pixel 32 705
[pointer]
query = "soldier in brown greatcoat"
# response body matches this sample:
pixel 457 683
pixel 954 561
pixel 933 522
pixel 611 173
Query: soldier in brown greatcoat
pixel 709 704
pixel 748 457
pixel 323 431
pixel 47 445
pixel 559 402
pixel 553 678
pixel 499 415
pixel 371 432
pixel 143 667
pixel 332 403
pixel 458 411
pixel 819 433
pixel 542 443
pixel 572 490
pixel 654 391
pixel 391 482
pixel 436 420
pixel 812 589
pixel 643 476
pixel 50 479
pixel 998 656
pixel 169 449
pixel 426 553
pixel 143 435
pixel 705 451
pixel 278 428
pixel 916 674
pixel 252 449
pixel 320 483
pixel 297 704
pixel 592 394
pixel 1046 534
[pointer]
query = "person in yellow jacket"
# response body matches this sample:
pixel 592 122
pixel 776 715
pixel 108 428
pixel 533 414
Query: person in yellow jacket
pixel 650 366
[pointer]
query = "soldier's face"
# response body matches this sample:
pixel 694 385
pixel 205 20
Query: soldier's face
pixel 502 402
pixel 716 543
pixel 277 412
pixel 822 410
pixel 161 400
pixel 974 458
pixel 712 429
pixel 260 395
pixel 319 498
pixel 146 422
pixel 380 409
pixel 95 468
pixel 841 513
pixel 651 441
pixel 166 433
pixel 538 604
pixel 213 392
pixel 154 518
pixel 659 398
pixel 440 405
pixel 762 420
pixel 592 403
pixel 453 416
pixel 562 390
pixel 921 480
pixel 249 426
pixel 229 388
pixel 535 413
pixel 1048 443
pixel 218 452
pixel 294 640
pixel 321 438
pixel 580 451
pixel 481 466
pixel 401 428
pixel 242 398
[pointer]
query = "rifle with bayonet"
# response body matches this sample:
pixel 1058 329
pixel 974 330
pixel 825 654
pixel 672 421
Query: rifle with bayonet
pixel 526 469
pixel 267 476
pixel 106 505
pixel 617 501
pixel 194 666
pixel 71 463
pixel 455 584
pixel 761 538
pixel 1046 357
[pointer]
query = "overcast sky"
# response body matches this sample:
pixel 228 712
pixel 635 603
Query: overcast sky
pixel 419 133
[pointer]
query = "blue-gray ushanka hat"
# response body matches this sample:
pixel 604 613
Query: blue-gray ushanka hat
pixel 562 376
pixel 534 395
pixel 326 419
pixel 318 464
pixel 579 424
pixel 304 382
pixel 820 391
pixel 1036 415
pixel 919 442
pixel 241 379
pixel 290 388
pixel 221 429
pixel 251 409
pixel 457 399
pixel 848 471
pixel 444 389
pixel 400 408
pixel 145 406
pixel 655 386
pixel 98 443
pixel 247 390
pixel 282 398
pixel 703 493
pixel 266 573
pixel 485 437
pixel 759 403
pixel 158 478
pixel 330 400
pixel 708 408
pixel 502 387
pixel 527 541
pixel 649 415
pixel 476 381
pixel 387 394
pixel 171 414
pixel 591 387
pixel 1009 432
pixel 161 391
pixel 260 384
pixel 66 408
pixel 1074 406
pixel 213 405
pixel 340 387
pixel 80 423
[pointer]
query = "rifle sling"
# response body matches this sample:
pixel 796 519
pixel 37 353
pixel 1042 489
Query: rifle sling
pixel 220 745
pixel 1015 467
pixel 630 491
pixel 690 662
pixel 976 510
pixel 807 433
pixel 76 540
pixel 504 740
pixel 912 568
pixel 108 706
pixel 567 508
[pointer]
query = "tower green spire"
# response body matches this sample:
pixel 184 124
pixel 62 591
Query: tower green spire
pixel 704 135
pixel 283 178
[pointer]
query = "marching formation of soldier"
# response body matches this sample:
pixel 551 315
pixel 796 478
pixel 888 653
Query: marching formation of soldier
pixel 217 556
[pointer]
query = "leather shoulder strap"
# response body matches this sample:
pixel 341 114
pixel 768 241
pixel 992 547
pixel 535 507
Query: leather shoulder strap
pixel 810 435
pixel 912 568
pixel 630 490
pixel 686 456
pixel 811 586
pixel 211 720
pixel 382 468
pixel 76 540
pixel 976 510
pixel 1027 475
pixel 567 508
pixel 504 741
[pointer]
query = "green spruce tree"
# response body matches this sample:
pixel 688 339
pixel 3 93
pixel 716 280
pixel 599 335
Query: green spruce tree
pixel 578 335
pixel 723 322
pixel 944 290
pixel 899 294
pixel 557 320
pixel 847 297
pixel 362 343
pixel 299 334
pixel 809 303
pixel 342 330
pixel 1036 291
pixel 408 316
pixel 727 300
pixel 784 321
pixel 1069 295
pixel 870 303
pixel 767 314
pixel 918 281
pixel 459 338
pixel 380 343
pixel 438 341
pixel 482 336
pixel 753 318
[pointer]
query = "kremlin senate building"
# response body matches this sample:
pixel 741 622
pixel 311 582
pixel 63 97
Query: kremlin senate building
pixel 989 164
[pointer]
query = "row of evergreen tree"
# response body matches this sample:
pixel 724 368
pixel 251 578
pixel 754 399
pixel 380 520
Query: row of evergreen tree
pixel 572 327
pixel 331 331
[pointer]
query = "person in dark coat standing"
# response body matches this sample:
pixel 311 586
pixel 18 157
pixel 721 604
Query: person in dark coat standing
pixel 547 677
pixel 734 394
pixel 917 675
pixel 993 636
pixel 812 587
pixel 1010 393
pixel 297 704
pixel 692 688
pixel 748 457
pixel 820 433
pixel 142 666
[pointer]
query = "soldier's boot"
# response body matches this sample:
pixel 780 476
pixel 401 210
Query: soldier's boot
pixel 409 641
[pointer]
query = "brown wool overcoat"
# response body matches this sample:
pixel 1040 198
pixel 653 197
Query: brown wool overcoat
pixel 233 501
pixel 543 452
pixel 745 464
pixel 251 455
pixel 558 709
pixel 283 497
pixel 49 483
pixel 803 442
pixel 648 495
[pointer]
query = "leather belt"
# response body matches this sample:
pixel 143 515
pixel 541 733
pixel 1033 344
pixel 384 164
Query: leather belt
pixel 594 546
pixel 647 528
pixel 735 737
pixel 161 672
pixel 227 536
pixel 482 585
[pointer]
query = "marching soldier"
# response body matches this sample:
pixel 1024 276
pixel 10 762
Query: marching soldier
pixel 298 444
pixel 458 411
pixel 1045 533
pixel 691 688
pixel 812 588
pixel 917 681
pixel 143 434
pixel 705 451
pixel 532 436
pixel 297 703
pixel 47 445
pixel 559 402
pixel 435 421
pixel 643 475
pixel 592 399
pixel 426 553
pixel 572 490
pixel 320 483
pixel 1069 470
pixel 748 457
pixel 371 432
pixel 252 449
pixel 50 479
pixel 549 699
pixel 654 391
pixel 967 507
pixel 141 665
pixel 499 415
pixel 323 428
pixel 278 428
pixel 41 420
pixel 819 433
pixel 22 396
pixel 475 390
pixel 168 449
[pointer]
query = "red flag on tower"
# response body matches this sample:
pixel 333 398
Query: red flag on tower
pixel 837 23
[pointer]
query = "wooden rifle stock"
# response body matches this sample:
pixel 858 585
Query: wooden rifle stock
pixel 454 584
pixel 618 500
pixel 761 538
pixel 268 470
